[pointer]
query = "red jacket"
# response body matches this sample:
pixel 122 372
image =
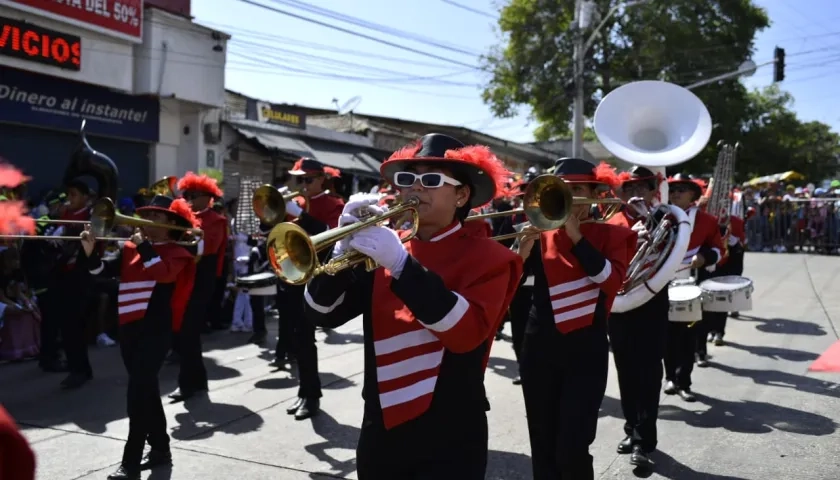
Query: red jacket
pixel 705 239
pixel 214 225
pixel 479 228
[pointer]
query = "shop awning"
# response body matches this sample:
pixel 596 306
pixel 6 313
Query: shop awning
pixel 346 158
pixel 275 141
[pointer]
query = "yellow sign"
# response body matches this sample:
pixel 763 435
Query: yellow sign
pixel 268 113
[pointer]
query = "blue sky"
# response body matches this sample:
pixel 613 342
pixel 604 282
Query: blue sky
pixel 287 60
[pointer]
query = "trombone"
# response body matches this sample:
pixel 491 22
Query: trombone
pixel 270 205
pixel 294 254
pixel 104 217
pixel 547 204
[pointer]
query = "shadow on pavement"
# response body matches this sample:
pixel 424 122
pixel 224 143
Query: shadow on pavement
pixel 775 353
pixel 505 367
pixel 784 326
pixel 204 417
pixel 775 378
pixel 668 467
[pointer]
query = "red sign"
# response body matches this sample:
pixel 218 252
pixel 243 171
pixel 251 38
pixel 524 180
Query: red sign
pixel 121 18
pixel 40 45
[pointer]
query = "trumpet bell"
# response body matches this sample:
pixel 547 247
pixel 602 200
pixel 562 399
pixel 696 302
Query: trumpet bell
pixel 292 253
pixel 653 123
pixel 269 205
pixel 547 202
pixel 165 186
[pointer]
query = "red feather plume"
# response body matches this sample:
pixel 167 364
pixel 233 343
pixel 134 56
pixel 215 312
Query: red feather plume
pixel 408 151
pixel 180 207
pixel 605 173
pixel 625 177
pixel 11 177
pixel 14 219
pixel 485 160
pixel 200 183
pixel 331 172
pixel 298 165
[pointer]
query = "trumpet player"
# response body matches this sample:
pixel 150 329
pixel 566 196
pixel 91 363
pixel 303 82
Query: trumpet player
pixel 578 270
pixel 430 314
pixel 316 181
pixel 704 250
pixel 199 191
pixel 156 279
pixel 637 337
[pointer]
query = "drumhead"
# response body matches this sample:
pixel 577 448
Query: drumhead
pixel 684 293
pixel 257 277
pixel 683 281
pixel 726 283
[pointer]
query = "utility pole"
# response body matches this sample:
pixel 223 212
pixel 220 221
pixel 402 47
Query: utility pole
pixel 579 54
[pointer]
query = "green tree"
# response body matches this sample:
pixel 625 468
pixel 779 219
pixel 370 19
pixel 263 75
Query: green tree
pixel 775 140
pixel 680 41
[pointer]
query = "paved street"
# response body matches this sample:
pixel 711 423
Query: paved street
pixel 759 414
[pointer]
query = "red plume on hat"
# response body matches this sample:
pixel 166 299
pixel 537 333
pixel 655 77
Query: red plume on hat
pixel 14 219
pixel 181 208
pixel 605 173
pixel 484 159
pixel 199 183
pixel 11 177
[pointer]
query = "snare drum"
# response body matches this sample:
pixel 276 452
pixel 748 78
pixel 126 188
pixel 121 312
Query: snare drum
pixel 260 284
pixel 730 293
pixel 683 281
pixel 686 305
pixel 683 273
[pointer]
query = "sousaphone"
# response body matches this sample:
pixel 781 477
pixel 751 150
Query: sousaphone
pixel 654 124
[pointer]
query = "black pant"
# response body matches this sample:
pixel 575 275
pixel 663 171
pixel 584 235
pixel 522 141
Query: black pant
pixel 193 375
pixel 72 299
pixel 144 345
pixel 713 322
pixel 637 338
pixel 304 340
pixel 427 448
pixel 285 331
pixel 680 347
pixel 258 309
pixel 520 306
pixel 564 377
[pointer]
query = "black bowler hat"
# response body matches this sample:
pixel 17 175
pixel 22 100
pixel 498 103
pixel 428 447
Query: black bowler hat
pixel 486 174
pixel 577 170
pixel 176 209
pixel 640 174
pixel 687 180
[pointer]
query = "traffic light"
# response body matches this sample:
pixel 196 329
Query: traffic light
pixel 779 66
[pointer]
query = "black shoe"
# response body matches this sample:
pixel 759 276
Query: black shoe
pixel 123 473
pixel 718 340
pixel 517 380
pixel 687 395
pixel 625 446
pixel 670 388
pixel 53 366
pixel 75 380
pixel 709 337
pixel 702 362
pixel 639 458
pixel 293 408
pixel 734 314
pixel 155 459
pixel 180 395
pixel 278 363
pixel 309 408
pixel 258 338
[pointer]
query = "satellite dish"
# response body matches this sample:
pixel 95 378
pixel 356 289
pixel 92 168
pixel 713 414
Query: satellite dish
pixel 350 105
pixel 748 68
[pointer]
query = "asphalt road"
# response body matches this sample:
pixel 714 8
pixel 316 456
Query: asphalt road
pixel 760 415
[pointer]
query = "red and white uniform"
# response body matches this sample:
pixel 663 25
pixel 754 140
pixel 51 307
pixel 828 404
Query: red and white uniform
pixel 430 330
pixel 705 239
pixel 323 214
pixel 214 226
pixel 155 280
pixel 578 275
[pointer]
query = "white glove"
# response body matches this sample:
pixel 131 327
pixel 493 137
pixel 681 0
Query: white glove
pixel 293 209
pixel 640 229
pixel 383 245
pixel 346 219
pixel 283 190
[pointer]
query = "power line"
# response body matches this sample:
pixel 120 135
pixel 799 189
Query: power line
pixel 357 34
pixel 469 9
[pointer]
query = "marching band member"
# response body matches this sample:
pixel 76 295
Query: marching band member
pixel 430 315
pixel 324 211
pixel 578 271
pixel 199 191
pixel 156 279
pixel 258 263
pixel 637 337
pixel 704 250
pixel 734 263
pixel 17 460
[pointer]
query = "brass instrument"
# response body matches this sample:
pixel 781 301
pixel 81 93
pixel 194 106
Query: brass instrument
pixel 294 254
pixel 270 205
pixel 547 204
pixel 104 217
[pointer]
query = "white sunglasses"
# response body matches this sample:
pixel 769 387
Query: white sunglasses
pixel 427 180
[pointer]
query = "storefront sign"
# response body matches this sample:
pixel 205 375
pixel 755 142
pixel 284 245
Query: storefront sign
pixel 119 18
pixel 40 45
pixel 276 114
pixel 42 101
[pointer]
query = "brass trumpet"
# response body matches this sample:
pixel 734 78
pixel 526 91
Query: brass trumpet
pixel 294 254
pixel 547 204
pixel 104 217
pixel 270 205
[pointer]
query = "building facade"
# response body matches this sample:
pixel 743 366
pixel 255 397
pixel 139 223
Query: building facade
pixel 145 78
